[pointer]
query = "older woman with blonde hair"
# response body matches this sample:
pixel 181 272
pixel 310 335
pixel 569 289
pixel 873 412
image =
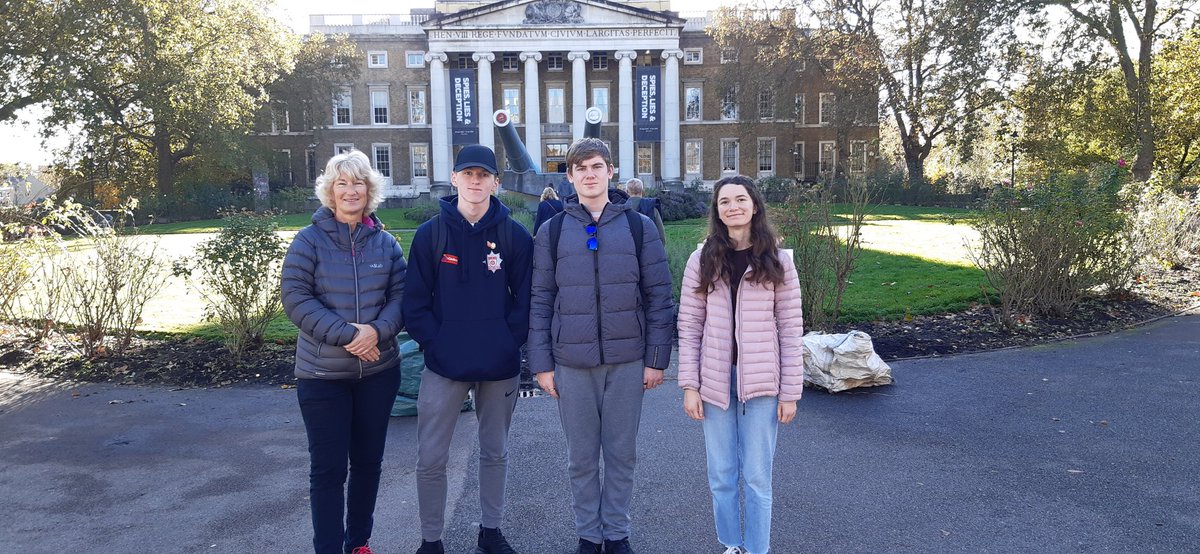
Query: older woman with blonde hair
pixel 547 208
pixel 343 278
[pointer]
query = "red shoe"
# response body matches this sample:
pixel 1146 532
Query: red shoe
pixel 364 549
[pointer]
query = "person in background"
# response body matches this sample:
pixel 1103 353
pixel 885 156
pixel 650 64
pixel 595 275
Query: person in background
pixel 646 206
pixel 741 363
pixel 549 206
pixel 343 278
pixel 468 307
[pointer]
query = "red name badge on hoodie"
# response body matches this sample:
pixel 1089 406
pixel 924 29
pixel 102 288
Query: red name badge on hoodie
pixel 450 259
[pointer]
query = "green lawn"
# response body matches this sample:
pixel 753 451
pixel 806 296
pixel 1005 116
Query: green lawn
pixel 914 262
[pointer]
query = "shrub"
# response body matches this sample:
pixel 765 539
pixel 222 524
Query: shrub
pixel 680 205
pixel 108 281
pixel 422 212
pixel 291 200
pixel 1165 226
pixel 775 188
pixel 1044 247
pixel 824 246
pixel 238 277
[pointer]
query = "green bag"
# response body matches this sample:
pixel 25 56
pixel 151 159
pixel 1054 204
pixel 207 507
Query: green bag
pixel 412 362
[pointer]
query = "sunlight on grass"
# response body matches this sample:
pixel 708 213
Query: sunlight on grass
pixel 914 262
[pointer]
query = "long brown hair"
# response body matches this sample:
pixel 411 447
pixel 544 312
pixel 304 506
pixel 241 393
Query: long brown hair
pixel 716 256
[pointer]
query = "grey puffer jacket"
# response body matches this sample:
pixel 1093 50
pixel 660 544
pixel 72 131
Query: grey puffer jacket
pixel 333 277
pixel 600 307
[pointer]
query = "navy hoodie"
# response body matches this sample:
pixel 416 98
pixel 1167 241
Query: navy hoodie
pixel 470 321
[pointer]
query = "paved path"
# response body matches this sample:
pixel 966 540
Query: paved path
pixel 1085 446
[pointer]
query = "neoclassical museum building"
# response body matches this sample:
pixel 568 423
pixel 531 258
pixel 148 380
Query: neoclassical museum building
pixel 431 80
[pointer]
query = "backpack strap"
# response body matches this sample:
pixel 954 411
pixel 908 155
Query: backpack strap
pixel 556 224
pixel 635 227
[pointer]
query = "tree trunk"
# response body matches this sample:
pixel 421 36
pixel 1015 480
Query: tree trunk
pixel 916 171
pixel 165 171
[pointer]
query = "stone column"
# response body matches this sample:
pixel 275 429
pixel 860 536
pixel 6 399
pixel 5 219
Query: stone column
pixel 487 135
pixel 579 98
pixel 670 117
pixel 628 156
pixel 439 117
pixel 533 108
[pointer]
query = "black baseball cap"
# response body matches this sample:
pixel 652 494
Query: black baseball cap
pixel 476 155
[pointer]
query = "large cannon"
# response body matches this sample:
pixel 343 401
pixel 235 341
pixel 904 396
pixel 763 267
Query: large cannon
pixel 522 176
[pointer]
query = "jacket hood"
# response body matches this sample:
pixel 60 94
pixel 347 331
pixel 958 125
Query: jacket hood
pixel 618 202
pixel 497 213
pixel 615 196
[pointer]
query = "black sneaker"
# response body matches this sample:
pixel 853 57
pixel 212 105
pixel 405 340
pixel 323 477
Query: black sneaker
pixel 588 547
pixel 491 541
pixel 434 547
pixel 618 547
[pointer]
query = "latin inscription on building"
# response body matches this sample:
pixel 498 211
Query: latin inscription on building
pixel 486 34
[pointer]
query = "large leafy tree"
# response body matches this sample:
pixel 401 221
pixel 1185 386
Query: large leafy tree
pixel 37 39
pixel 936 63
pixel 1129 31
pixel 162 80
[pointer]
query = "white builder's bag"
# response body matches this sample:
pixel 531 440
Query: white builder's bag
pixel 842 362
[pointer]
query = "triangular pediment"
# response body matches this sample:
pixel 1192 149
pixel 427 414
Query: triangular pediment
pixel 553 13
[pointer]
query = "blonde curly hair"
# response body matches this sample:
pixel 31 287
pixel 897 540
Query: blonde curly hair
pixel 353 165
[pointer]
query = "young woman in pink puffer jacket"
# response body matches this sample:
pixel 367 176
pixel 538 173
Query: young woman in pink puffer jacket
pixel 741 356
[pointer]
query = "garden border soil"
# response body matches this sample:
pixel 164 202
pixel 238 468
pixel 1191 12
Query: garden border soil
pixel 194 362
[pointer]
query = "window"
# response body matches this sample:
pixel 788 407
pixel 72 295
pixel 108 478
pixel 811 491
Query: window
pixel 766 156
pixel 342 148
pixel 465 61
pixel 280 123
pixel 826 107
pixel 510 62
pixel 729 155
pixel 693 151
pixel 691 102
pixel 729 55
pixel 729 107
pixel 693 56
pixel 800 115
pixel 281 168
pixel 645 158
pixel 766 105
pixel 600 61
pixel 379 107
pixel 828 157
pixel 600 100
pixel 420 160
pixel 414 59
pixel 512 103
pixel 416 106
pixel 555 108
pixel 310 163
pixel 341 106
pixel 554 61
pixel 383 159
pixel 377 59
pixel 798 159
pixel 858 156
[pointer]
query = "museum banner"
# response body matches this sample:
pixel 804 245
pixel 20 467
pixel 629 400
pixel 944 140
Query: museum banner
pixel 646 122
pixel 464 128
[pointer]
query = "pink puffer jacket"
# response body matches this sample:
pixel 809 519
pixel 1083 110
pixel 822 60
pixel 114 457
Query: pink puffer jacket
pixel 770 337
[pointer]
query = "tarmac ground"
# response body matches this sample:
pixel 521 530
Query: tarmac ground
pixel 1082 446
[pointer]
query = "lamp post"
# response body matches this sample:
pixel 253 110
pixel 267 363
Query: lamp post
pixel 1012 169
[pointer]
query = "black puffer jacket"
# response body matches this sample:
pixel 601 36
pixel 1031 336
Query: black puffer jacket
pixel 333 277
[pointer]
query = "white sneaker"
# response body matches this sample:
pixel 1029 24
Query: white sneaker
pixel 732 550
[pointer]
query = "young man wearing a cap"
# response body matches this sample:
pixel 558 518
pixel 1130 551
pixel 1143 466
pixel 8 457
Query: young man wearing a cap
pixel 468 307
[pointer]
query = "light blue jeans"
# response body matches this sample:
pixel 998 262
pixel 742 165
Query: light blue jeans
pixel 741 441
